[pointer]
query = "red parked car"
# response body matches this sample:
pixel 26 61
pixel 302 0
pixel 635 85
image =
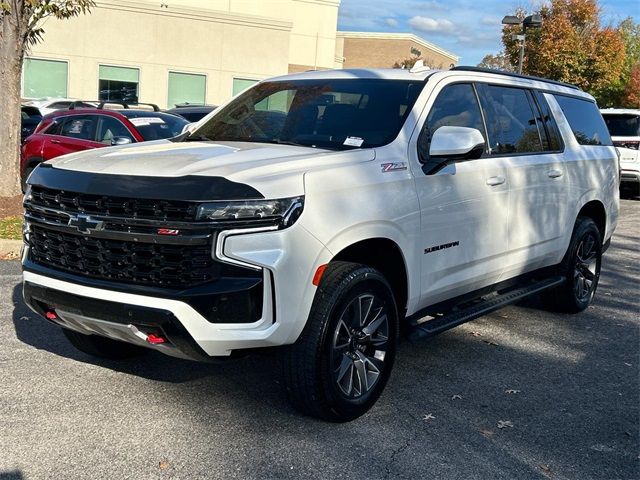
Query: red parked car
pixel 68 131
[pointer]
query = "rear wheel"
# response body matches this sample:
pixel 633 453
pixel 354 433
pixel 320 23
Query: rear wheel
pixel 101 346
pixel 581 267
pixel 340 364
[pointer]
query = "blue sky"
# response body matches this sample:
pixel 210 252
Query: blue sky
pixel 467 28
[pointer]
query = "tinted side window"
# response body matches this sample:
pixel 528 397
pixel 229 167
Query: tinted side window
pixel 585 120
pixel 511 120
pixel 56 127
pixel 80 127
pixel 455 106
pixel 109 128
pixel 552 140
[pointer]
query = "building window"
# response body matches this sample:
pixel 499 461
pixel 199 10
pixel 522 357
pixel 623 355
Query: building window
pixel 118 84
pixel 239 84
pixel 186 88
pixel 44 78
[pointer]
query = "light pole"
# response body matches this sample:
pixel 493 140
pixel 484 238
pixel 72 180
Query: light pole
pixel 532 21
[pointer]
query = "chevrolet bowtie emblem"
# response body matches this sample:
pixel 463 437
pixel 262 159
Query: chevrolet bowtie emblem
pixel 85 224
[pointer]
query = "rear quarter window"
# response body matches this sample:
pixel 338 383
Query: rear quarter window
pixel 585 120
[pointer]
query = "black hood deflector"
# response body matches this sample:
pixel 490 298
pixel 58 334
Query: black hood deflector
pixel 187 188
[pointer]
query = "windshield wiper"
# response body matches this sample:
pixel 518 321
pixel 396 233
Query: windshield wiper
pixel 278 141
pixel 196 138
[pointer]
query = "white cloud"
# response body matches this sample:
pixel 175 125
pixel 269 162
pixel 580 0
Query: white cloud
pixel 491 21
pixel 391 22
pixel 428 24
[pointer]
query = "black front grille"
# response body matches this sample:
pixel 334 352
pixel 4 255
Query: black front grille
pixel 173 266
pixel 136 208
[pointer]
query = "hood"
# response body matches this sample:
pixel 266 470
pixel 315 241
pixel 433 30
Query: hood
pixel 274 170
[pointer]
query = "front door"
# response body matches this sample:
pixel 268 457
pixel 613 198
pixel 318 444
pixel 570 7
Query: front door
pixel 464 206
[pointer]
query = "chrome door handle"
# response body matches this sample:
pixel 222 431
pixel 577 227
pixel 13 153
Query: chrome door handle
pixel 493 181
pixel 55 141
pixel 554 173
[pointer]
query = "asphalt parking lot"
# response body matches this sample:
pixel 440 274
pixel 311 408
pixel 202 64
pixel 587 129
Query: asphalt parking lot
pixel 521 393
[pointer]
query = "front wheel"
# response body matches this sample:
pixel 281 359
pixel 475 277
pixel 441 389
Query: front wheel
pixel 340 364
pixel 581 268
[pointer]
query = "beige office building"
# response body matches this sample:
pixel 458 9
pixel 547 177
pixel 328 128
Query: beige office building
pixel 201 51
pixel 383 50
pixel 175 51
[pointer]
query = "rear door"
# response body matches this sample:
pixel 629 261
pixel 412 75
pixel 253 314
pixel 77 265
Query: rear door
pixel 69 134
pixel 527 139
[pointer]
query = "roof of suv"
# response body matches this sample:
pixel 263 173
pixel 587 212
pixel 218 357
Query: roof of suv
pixel 421 75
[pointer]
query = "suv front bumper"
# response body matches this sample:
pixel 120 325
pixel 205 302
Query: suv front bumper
pixel 120 315
pixel 287 260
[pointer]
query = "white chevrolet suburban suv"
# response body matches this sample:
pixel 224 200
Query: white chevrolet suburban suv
pixel 323 213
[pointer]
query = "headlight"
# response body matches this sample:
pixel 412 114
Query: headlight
pixel 284 210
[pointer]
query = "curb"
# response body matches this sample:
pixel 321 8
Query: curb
pixel 10 249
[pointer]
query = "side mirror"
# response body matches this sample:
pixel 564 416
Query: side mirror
pixel 454 144
pixel 120 140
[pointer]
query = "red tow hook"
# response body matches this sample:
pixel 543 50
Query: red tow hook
pixel 51 315
pixel 154 339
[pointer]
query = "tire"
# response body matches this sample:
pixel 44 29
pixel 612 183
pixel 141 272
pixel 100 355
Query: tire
pixel 102 347
pixel 339 366
pixel 581 267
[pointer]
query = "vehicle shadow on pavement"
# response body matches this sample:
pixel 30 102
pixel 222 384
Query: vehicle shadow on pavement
pixel 15 475
pixel 520 393
pixel 261 371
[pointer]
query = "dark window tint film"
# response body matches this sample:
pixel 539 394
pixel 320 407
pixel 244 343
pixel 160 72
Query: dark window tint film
pixel 622 125
pixel 455 106
pixel 512 120
pixel 585 120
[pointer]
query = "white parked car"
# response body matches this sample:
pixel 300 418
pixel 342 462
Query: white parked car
pixel 50 104
pixel 322 212
pixel 624 127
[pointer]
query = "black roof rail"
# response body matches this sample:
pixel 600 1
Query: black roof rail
pixel 516 75
pixel 127 105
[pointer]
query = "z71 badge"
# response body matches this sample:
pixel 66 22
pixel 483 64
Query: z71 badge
pixel 392 167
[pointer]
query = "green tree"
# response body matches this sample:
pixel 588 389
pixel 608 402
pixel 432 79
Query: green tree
pixel 625 93
pixel 20 27
pixel 571 46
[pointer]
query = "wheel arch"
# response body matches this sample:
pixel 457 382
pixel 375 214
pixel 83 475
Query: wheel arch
pixel 386 256
pixel 595 210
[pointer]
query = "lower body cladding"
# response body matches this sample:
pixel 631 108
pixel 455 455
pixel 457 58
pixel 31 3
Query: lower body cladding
pixel 286 260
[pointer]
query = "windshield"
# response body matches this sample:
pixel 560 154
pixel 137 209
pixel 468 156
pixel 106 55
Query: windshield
pixel 335 114
pixel 623 125
pixel 155 125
